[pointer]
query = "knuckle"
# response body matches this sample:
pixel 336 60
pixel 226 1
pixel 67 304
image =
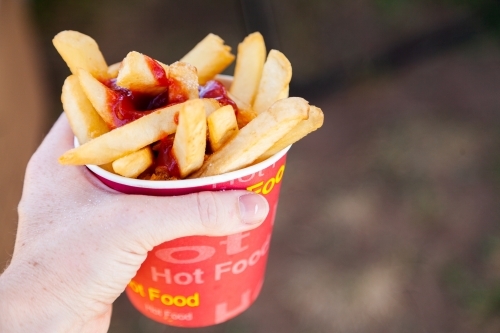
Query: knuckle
pixel 207 210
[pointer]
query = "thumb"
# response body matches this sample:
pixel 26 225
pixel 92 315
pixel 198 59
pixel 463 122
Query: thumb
pixel 154 220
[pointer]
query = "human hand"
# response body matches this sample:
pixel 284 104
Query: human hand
pixel 79 243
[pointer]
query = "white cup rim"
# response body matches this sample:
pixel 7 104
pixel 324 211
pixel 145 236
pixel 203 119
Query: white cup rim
pixel 185 183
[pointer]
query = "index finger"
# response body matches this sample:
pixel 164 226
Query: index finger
pixel 44 170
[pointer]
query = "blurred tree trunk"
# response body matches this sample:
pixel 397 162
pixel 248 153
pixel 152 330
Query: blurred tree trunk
pixel 22 112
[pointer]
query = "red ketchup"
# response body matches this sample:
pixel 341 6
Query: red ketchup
pixel 128 105
pixel 215 89
pixel 165 164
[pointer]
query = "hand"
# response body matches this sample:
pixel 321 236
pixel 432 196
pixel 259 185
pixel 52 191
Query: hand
pixel 79 243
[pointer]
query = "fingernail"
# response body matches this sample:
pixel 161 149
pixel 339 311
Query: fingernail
pixel 253 208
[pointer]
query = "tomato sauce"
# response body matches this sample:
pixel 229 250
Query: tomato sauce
pixel 158 72
pixel 128 105
pixel 216 90
pixel 165 166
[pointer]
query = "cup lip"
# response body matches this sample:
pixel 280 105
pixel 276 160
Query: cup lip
pixel 185 183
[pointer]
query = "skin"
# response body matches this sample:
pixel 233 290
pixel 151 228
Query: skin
pixel 79 243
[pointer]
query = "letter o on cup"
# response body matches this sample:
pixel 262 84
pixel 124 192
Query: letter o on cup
pixel 240 266
pixel 254 258
pixel 183 278
pixel 203 253
pixel 179 301
pixel 167 299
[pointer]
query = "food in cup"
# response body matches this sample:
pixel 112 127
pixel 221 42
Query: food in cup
pixel 148 120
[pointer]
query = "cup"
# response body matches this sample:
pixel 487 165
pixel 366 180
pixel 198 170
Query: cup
pixel 200 281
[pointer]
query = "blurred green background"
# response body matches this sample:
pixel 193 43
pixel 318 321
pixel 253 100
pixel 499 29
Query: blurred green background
pixel 389 219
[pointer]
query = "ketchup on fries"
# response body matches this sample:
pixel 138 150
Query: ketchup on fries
pixel 144 119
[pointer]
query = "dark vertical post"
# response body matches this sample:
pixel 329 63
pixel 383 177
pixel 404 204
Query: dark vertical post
pixel 259 16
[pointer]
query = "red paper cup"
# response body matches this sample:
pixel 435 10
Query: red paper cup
pixel 200 281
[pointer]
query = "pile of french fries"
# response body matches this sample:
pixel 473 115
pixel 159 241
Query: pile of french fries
pixel 208 138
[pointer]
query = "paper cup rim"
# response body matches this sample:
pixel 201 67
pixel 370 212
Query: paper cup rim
pixel 185 183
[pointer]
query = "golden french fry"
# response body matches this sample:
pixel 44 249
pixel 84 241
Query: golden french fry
pixel 256 138
pixel 134 164
pixel 222 126
pixel 248 70
pixel 303 128
pixel 99 95
pixel 274 82
pixel 191 137
pixel 81 51
pixel 210 57
pixel 113 70
pixel 245 116
pixel 185 75
pixel 83 118
pixel 245 112
pixel 130 137
pixel 284 92
pixel 143 74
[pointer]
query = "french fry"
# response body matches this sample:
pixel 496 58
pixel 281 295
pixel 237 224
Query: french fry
pixel 274 82
pixel 134 164
pixel 303 128
pixel 222 126
pixel 284 92
pixel 114 69
pixel 245 116
pixel 245 112
pixel 191 137
pixel 86 124
pixel 84 121
pixel 141 73
pixel 256 138
pixel 185 75
pixel 248 70
pixel 130 137
pixel 210 57
pixel 80 51
pixel 83 118
pixel 99 95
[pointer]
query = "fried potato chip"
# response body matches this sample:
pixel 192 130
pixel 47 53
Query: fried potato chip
pixel 274 82
pixel 134 164
pixel 256 138
pixel 80 51
pixel 222 126
pixel 303 128
pixel 191 137
pixel 143 74
pixel 130 137
pixel 83 118
pixel 248 70
pixel 210 57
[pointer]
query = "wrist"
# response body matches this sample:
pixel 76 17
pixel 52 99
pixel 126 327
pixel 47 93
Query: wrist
pixel 28 306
